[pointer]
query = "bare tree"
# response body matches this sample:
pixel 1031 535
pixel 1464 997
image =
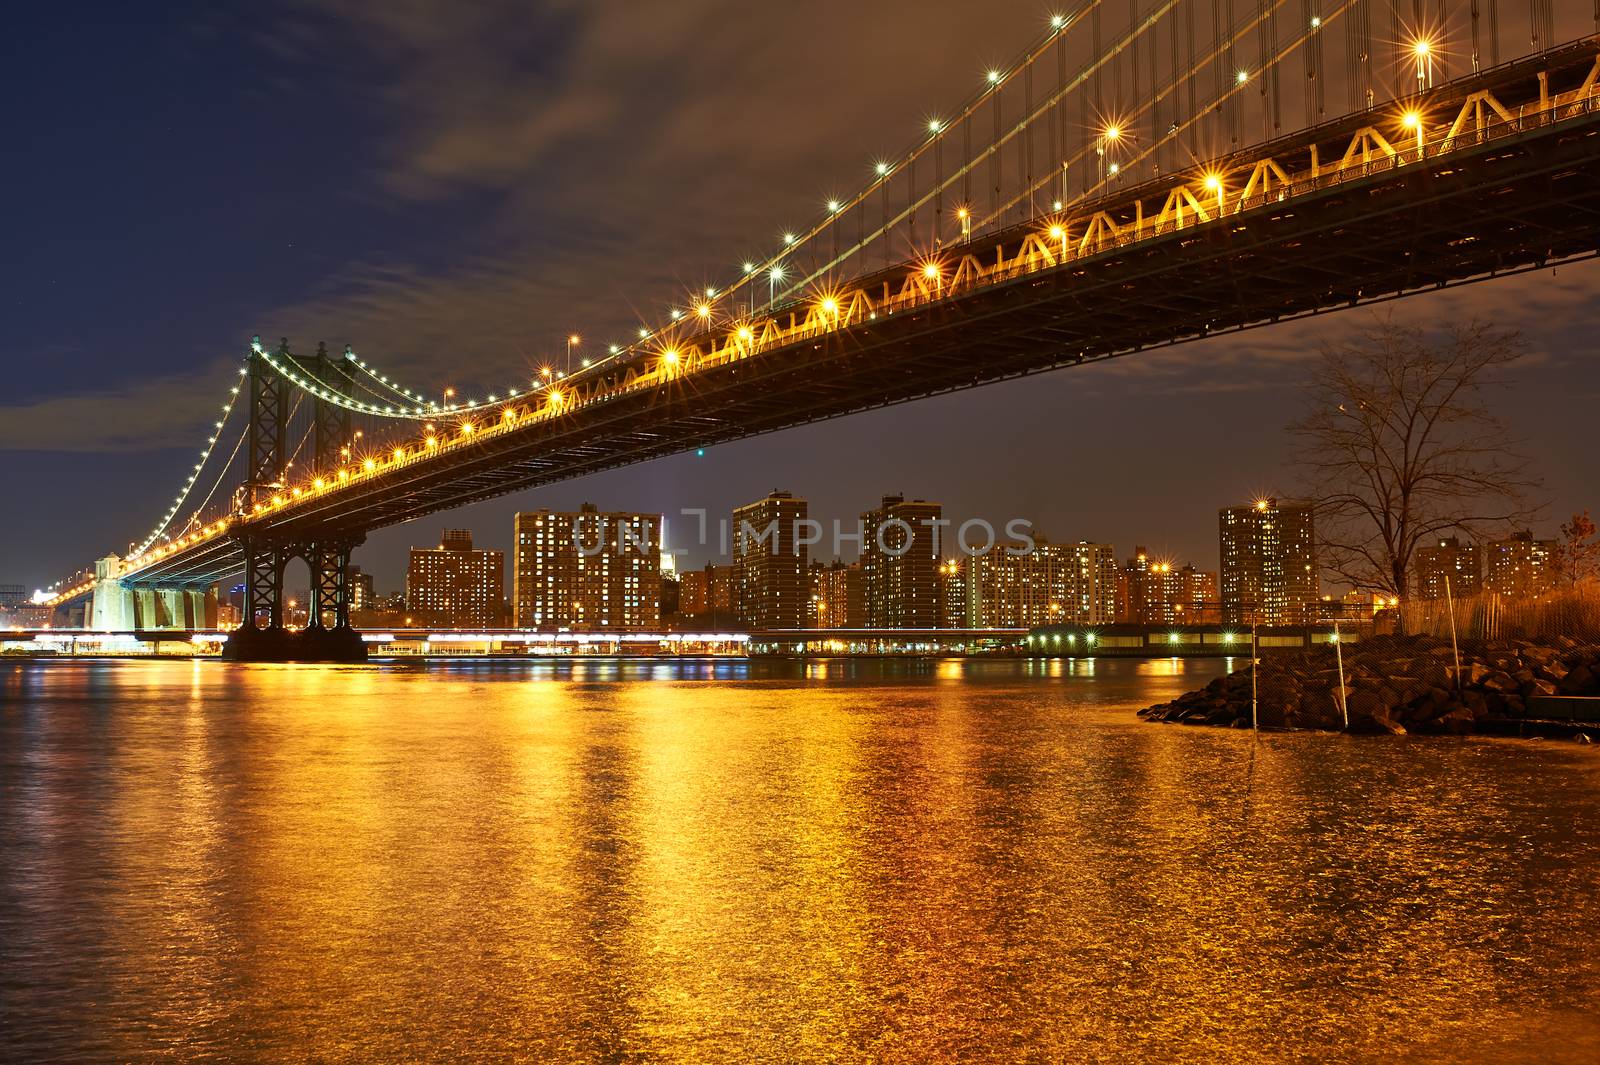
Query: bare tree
pixel 1577 557
pixel 1400 445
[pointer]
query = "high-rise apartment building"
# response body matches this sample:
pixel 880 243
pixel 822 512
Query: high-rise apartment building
pixel 1151 592
pixel 953 593
pixel 1448 557
pixel 1518 567
pixel 455 586
pixel 361 593
pixel 771 573
pixel 1069 584
pixel 838 596
pixel 707 594
pixel 1269 563
pixel 900 564
pixel 588 571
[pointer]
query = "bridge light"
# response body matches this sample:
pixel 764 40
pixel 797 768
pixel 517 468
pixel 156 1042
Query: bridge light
pixel 644 334
pixel 934 125
pixel 744 332
pixel 1242 77
pixel 1113 133
pixel 776 273
pixel 1213 182
pixel 830 305
pixel 432 441
pixel 1420 48
pixel 788 238
pixel 749 268
pixel 544 371
pixel 369 465
pixel 1316 22
pixel 703 310
pixel 833 206
pixel 1411 120
pixel 882 169
pixel 613 349
pixel 994 77
pixel 930 271
pixel 1058 232
pixel 1057 21
pixel 1114 169
pixel 676 314
pixel 671 356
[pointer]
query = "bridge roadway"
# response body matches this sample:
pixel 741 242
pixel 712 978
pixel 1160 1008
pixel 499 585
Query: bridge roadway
pixel 1335 218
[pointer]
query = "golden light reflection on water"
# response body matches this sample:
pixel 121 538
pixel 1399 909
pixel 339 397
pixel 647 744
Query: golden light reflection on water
pixel 839 861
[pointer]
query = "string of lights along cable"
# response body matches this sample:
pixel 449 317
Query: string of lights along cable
pixel 1117 124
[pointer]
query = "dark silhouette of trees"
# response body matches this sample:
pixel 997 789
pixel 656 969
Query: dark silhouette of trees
pixel 1400 445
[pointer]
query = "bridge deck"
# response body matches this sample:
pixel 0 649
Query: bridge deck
pixel 1476 207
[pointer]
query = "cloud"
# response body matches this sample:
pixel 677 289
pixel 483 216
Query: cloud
pixel 147 416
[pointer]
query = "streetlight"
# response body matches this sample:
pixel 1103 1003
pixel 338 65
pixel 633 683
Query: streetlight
pixel 573 340
pixel 773 277
pixel 966 222
pixel 1413 120
pixel 1422 50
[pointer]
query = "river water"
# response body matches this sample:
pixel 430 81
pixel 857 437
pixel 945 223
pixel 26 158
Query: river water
pixel 727 861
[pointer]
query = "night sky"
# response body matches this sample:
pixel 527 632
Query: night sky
pixel 454 188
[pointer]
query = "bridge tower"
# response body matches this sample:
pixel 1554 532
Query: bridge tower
pixel 328 635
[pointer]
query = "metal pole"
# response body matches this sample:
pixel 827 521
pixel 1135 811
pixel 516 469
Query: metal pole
pixel 1255 659
pixel 1455 649
pixel 1338 654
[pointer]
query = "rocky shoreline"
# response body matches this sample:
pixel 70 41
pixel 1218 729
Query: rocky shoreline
pixel 1397 684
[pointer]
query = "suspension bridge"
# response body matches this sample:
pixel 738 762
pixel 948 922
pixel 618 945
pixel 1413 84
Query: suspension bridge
pixel 1126 183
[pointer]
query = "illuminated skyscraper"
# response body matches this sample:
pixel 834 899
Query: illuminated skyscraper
pixel 1519 566
pixel 1269 563
pixel 588 571
pixel 900 564
pixel 771 572
pixel 1448 557
pixel 1070 584
pixel 454 585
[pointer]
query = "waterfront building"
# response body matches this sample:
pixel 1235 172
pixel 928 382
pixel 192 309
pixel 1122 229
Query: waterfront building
pixel 587 571
pixel 1151 592
pixel 12 595
pixel 771 574
pixel 455 585
pixel 900 564
pixel 1518 567
pixel 953 594
pixel 1448 557
pixel 362 596
pixel 838 595
pixel 1198 601
pixel 1069 583
pixel 1269 566
pixel 707 594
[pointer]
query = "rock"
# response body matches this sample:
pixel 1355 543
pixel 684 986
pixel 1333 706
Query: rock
pixel 1499 681
pixel 1458 722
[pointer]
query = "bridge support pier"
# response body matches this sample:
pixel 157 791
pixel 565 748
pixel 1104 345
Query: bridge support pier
pixel 262 636
pixel 111 606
